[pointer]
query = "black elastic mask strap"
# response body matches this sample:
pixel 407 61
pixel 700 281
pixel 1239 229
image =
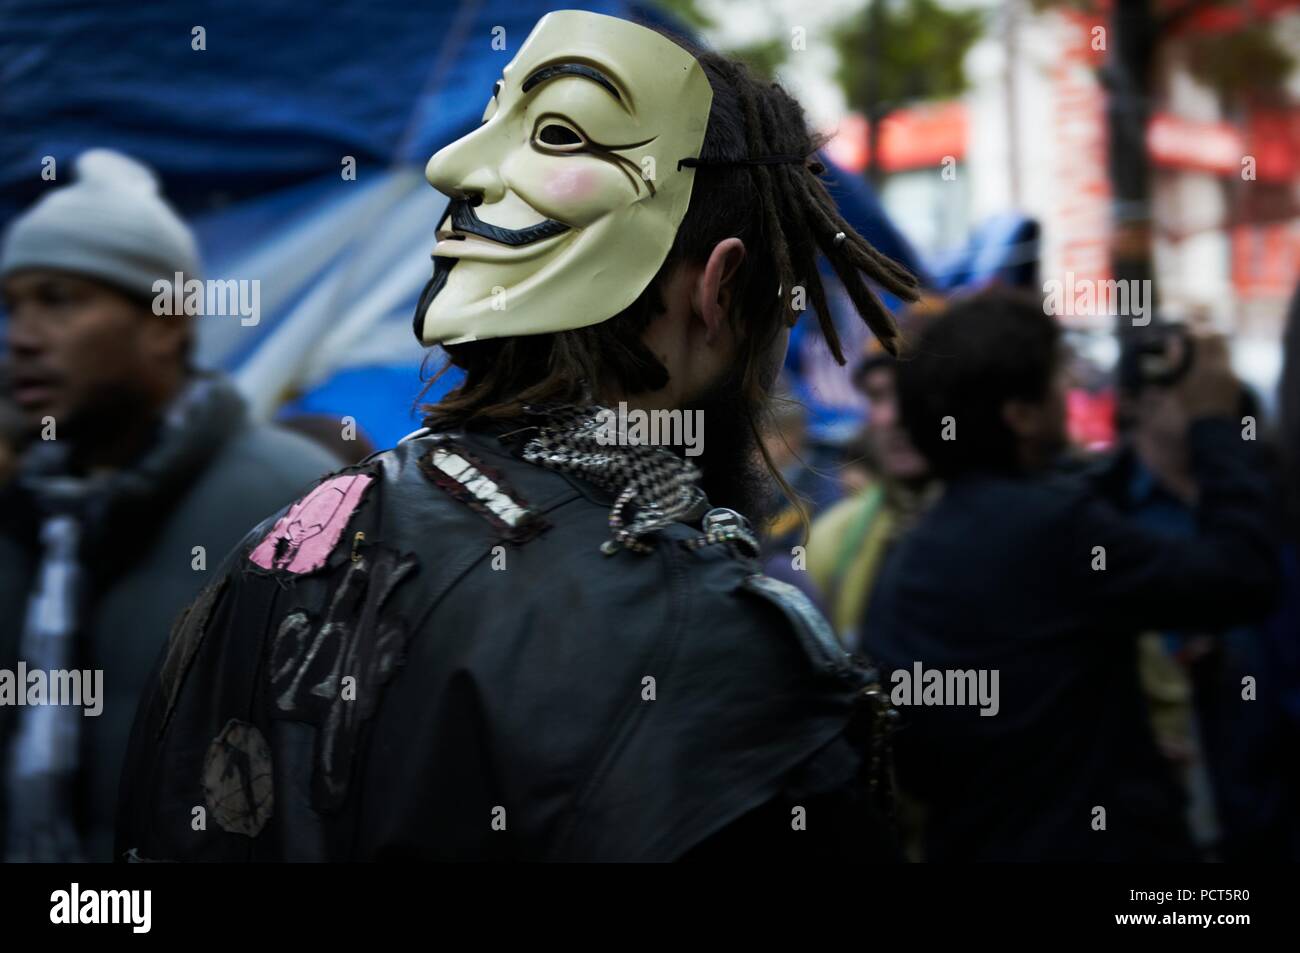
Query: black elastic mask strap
pixel 814 165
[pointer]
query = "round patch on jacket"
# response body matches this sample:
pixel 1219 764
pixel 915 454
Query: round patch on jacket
pixel 237 783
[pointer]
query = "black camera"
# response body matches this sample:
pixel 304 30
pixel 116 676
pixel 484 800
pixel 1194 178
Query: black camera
pixel 1160 355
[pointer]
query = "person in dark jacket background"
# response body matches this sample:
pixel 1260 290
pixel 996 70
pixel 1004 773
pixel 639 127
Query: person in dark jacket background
pixel 1028 575
pixel 141 475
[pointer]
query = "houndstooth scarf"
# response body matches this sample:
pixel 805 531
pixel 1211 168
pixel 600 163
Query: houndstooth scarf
pixel 653 487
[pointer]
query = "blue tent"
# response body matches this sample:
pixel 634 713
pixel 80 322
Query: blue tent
pixel 251 113
pixel 1003 249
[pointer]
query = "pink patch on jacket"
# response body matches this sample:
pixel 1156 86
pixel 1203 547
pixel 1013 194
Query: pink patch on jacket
pixel 302 539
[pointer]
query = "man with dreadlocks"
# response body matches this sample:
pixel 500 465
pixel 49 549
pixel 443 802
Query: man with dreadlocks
pixel 511 637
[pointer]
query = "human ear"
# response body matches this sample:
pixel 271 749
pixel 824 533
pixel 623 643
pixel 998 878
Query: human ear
pixel 715 286
pixel 165 337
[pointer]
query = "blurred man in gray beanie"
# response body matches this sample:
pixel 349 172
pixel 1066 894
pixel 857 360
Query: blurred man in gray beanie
pixel 141 470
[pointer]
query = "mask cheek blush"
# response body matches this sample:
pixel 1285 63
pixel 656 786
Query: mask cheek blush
pixel 571 187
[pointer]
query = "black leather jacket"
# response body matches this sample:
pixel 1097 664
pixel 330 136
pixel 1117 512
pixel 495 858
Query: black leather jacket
pixel 469 676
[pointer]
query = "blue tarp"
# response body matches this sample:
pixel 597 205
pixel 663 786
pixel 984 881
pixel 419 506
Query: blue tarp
pixel 249 135
pixel 281 92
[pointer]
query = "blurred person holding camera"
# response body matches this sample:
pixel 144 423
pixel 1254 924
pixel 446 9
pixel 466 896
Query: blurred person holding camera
pixel 1228 752
pixel 1030 579
pixel 141 470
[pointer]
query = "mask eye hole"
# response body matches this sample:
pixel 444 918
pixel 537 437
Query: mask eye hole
pixel 557 137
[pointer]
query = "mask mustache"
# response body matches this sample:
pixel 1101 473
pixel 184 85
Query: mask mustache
pixel 464 220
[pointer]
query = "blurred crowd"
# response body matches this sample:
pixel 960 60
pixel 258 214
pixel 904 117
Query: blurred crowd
pixel 1141 605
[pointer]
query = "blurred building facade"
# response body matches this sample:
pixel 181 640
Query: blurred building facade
pixel 1030 136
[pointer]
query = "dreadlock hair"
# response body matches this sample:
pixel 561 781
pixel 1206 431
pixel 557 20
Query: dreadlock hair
pixel 784 215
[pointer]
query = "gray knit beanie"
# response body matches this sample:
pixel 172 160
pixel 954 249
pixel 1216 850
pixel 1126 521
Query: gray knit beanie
pixel 110 224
